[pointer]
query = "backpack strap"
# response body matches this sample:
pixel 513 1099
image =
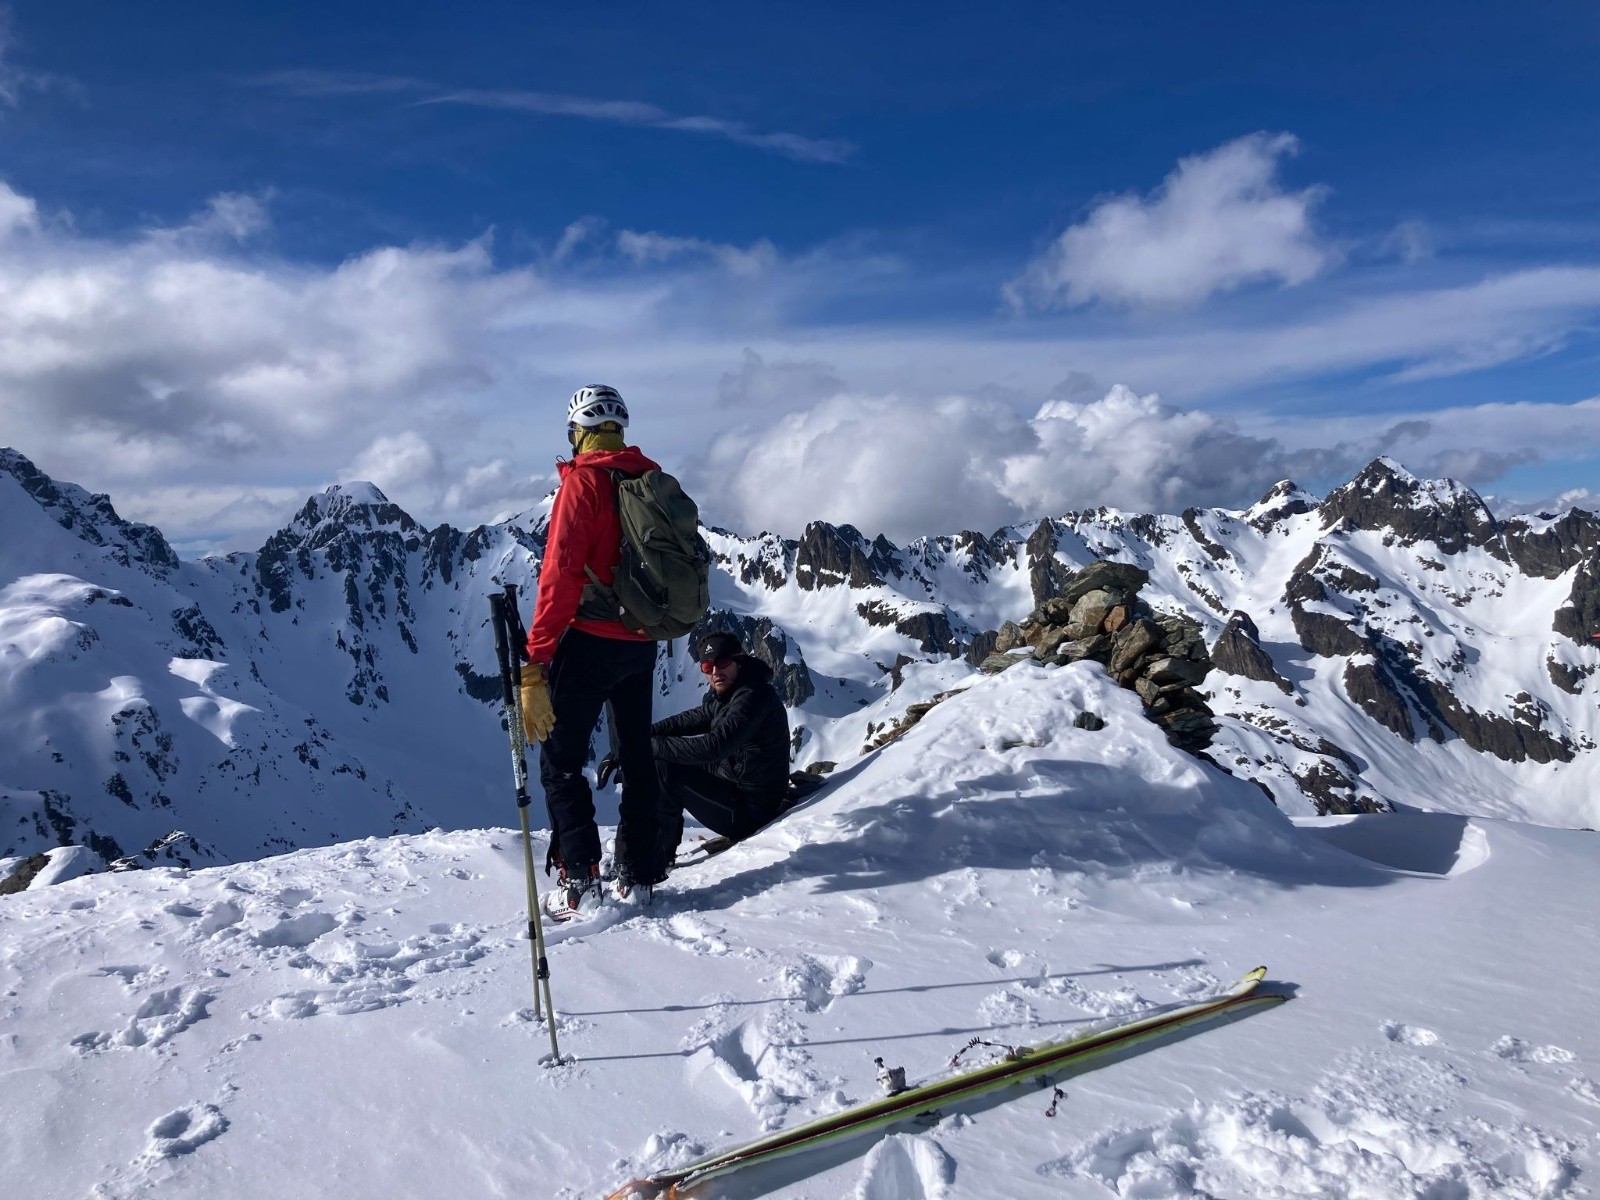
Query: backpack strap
pixel 598 601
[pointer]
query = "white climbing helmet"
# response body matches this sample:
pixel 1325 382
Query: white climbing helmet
pixel 595 405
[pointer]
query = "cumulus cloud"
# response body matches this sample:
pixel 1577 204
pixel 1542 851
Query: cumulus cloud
pixel 1219 221
pixel 889 464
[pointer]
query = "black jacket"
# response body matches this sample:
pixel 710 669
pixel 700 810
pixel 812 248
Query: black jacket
pixel 742 736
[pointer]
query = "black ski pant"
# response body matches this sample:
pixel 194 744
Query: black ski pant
pixel 715 802
pixel 588 673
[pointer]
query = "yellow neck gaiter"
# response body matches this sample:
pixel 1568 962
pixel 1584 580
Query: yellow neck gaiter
pixel 606 437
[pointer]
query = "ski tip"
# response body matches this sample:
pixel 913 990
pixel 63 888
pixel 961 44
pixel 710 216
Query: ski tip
pixel 1255 976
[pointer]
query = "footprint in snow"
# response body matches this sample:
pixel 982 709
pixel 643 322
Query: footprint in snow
pixel 906 1167
pixel 1514 1049
pixel 1409 1035
pixel 161 1016
pixel 817 981
pixel 183 1131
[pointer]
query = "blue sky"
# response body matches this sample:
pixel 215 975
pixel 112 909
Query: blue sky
pixel 250 252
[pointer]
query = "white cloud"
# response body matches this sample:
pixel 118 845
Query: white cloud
pixel 1219 221
pixel 892 465
pixel 18 213
pixel 748 262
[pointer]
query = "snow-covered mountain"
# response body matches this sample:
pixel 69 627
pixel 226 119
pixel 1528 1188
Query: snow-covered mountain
pixel 1392 645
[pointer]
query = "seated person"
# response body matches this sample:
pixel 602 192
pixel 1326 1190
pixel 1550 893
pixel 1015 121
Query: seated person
pixel 725 761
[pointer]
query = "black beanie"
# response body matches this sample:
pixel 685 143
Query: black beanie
pixel 719 644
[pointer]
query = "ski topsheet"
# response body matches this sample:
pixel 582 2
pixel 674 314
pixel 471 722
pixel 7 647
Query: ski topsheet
pixel 1029 1062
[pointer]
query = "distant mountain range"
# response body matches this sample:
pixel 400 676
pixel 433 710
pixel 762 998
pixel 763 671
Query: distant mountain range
pixel 1393 644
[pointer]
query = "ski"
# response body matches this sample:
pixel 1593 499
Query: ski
pixel 1046 1059
pixel 707 847
pixel 802 787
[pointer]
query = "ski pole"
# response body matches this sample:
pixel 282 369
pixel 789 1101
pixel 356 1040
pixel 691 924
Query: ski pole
pixel 503 612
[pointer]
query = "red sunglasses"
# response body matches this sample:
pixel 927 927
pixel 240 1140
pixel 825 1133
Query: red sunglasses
pixel 716 664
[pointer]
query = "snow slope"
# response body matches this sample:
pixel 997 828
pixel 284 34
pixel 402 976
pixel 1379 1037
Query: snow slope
pixel 353 1021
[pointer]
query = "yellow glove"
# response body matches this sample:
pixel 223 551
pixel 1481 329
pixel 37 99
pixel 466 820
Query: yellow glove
pixel 538 717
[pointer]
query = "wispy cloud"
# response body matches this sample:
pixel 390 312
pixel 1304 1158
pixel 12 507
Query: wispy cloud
pixel 15 80
pixel 313 84
pixel 1219 221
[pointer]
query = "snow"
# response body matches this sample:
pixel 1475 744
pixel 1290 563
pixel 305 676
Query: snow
pixel 355 1020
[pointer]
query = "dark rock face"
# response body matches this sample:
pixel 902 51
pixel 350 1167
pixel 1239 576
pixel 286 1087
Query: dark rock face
pixel 1386 498
pixel 24 874
pixel 1579 618
pixel 1549 553
pixel 90 516
pixel 1568 679
pixel 1393 692
pixel 1238 652
pixel 829 554
pixel 1371 687
pixel 766 641
pixel 981 647
pixel 1325 635
pixel 1333 790
pixel 1191 522
pixel 1047 575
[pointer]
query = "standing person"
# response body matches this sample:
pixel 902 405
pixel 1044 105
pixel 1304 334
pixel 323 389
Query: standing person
pixel 725 761
pixel 582 658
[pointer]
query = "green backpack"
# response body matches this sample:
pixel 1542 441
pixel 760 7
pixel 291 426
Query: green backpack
pixel 662 586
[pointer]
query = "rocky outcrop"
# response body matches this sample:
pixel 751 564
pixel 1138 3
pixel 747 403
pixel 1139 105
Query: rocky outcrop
pixel 1579 617
pixel 929 628
pixel 1238 651
pixel 1326 635
pixel 1551 548
pixel 1374 692
pixel 1099 616
pixel 1046 573
pixel 828 555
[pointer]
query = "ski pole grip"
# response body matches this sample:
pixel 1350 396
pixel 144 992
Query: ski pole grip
pixel 497 614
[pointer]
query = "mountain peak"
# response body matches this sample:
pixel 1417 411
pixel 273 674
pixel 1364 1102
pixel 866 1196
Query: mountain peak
pixel 350 506
pixel 1385 495
pixel 1282 500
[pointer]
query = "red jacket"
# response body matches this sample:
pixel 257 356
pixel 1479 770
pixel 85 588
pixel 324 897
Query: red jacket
pixel 584 531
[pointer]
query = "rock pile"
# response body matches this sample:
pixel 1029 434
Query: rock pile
pixel 1099 616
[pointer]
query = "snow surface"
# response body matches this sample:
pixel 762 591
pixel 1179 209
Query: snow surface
pixel 355 1021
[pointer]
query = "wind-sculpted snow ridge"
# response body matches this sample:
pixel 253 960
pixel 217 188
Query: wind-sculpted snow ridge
pixel 1395 646
pixel 996 873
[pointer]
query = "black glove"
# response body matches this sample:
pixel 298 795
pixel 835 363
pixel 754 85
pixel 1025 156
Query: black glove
pixel 609 766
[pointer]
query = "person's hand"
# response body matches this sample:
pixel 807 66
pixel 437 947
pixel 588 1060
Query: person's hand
pixel 538 717
pixel 609 766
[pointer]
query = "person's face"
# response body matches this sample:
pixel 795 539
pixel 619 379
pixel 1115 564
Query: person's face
pixel 721 673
